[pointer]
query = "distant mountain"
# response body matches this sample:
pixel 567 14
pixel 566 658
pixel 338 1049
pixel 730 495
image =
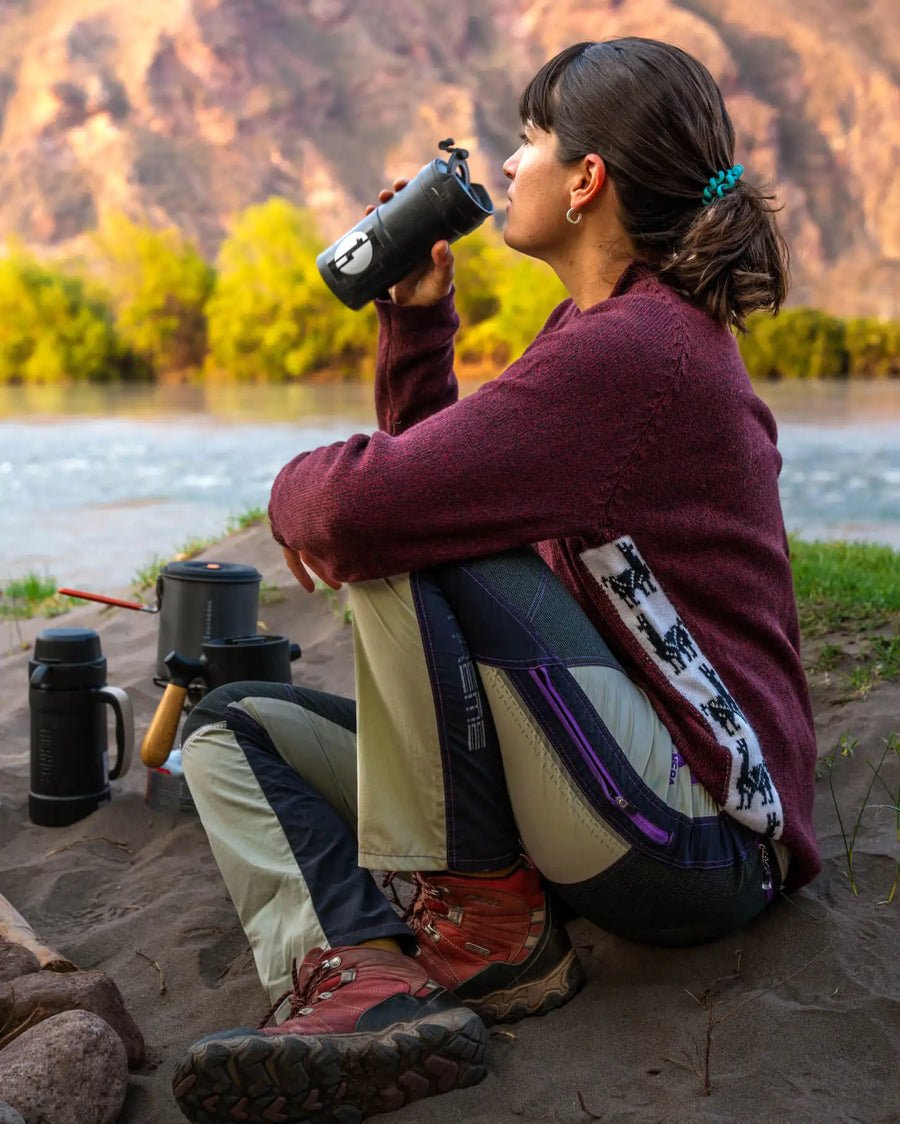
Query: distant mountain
pixel 185 111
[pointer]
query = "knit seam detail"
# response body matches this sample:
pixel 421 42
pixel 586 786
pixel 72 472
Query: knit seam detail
pixel 643 437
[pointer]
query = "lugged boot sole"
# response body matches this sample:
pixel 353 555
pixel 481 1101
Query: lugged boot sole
pixel 328 1079
pixel 534 997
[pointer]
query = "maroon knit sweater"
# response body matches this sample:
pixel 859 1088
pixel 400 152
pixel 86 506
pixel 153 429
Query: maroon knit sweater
pixel 628 445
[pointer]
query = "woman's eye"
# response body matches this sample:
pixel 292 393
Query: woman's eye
pixel 523 138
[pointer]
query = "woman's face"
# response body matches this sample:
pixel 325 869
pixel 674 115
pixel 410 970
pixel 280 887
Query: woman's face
pixel 539 195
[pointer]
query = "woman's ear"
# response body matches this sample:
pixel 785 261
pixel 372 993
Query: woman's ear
pixel 591 177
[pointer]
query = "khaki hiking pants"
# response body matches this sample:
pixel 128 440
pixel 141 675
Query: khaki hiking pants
pixel 490 719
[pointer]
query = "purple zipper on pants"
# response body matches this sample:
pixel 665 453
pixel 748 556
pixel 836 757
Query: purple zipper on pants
pixel 607 785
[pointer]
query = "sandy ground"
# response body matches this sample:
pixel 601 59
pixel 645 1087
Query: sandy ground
pixel 804 1022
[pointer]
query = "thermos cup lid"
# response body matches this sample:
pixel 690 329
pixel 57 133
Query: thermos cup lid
pixel 198 571
pixel 67 645
pixel 256 641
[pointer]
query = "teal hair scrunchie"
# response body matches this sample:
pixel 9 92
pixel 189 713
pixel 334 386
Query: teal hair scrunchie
pixel 720 183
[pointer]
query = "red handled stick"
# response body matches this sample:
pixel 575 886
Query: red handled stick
pixel 107 600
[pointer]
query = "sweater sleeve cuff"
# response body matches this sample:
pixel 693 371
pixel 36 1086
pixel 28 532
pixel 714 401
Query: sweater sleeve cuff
pixel 399 318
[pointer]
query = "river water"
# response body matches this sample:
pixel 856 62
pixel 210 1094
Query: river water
pixel 97 481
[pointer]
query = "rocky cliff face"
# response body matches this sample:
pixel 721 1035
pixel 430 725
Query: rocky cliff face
pixel 187 110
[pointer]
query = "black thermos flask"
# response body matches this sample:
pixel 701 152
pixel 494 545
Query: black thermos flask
pixel 68 697
pixel 440 203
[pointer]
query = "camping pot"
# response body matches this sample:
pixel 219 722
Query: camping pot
pixel 441 202
pixel 67 696
pixel 229 659
pixel 233 659
pixel 199 601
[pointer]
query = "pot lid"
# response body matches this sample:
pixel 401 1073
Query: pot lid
pixel 200 571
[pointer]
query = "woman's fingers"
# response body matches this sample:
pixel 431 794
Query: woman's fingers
pixel 387 193
pixel 430 281
pixel 442 257
pixel 311 562
pixel 304 565
pixel 292 558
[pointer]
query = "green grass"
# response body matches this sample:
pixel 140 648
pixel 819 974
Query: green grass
pixel 270 594
pixel 248 518
pixel 145 578
pixel 332 596
pixel 33 595
pixel 829 657
pixel 826 766
pixel 879 662
pixel 843 586
pixel 894 745
pixel 840 587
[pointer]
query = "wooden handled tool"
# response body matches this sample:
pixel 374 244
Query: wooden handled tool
pixel 160 736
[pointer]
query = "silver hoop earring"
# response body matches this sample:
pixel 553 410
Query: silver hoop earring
pixel 573 220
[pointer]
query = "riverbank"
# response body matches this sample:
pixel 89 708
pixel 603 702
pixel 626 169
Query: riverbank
pixel 801 1009
pixel 95 481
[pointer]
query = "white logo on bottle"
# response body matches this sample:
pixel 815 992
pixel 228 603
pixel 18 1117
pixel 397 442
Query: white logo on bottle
pixel 353 254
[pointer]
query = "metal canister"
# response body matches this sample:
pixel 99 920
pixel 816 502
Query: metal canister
pixel 201 601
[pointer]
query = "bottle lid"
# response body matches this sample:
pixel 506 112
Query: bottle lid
pixel 475 193
pixel 67 645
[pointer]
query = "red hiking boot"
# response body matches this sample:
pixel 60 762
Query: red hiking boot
pixel 494 943
pixel 368 1032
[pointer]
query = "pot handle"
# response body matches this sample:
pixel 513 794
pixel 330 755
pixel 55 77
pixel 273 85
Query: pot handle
pixel 160 737
pixel 121 704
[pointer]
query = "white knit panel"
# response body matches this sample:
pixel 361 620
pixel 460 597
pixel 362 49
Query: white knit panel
pixel 637 597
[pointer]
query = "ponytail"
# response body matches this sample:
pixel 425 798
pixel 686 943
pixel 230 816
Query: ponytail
pixel 731 258
pixel 657 118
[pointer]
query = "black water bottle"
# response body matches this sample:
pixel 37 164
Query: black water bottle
pixel 440 203
pixel 68 696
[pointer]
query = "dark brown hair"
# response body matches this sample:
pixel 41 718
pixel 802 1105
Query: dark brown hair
pixel 657 118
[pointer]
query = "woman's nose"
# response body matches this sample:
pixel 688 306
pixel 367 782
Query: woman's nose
pixel 510 165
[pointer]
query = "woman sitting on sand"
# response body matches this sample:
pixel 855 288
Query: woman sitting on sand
pixel 583 691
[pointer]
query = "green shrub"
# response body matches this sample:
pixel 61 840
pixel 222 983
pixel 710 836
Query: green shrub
pixel 52 329
pixel 873 347
pixel 798 343
pixel 271 316
pixel 480 262
pixel 526 293
pixel 158 285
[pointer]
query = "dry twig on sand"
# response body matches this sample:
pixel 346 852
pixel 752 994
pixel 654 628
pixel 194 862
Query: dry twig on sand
pixel 89 839
pixel 708 999
pixel 155 963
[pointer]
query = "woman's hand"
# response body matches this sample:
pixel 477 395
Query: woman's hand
pixel 302 565
pixel 433 279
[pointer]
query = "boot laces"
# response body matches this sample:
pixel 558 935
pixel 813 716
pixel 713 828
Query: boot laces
pixel 304 993
pixel 427 905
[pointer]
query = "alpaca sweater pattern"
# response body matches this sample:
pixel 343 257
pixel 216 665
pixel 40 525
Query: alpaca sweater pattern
pixel 628 446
